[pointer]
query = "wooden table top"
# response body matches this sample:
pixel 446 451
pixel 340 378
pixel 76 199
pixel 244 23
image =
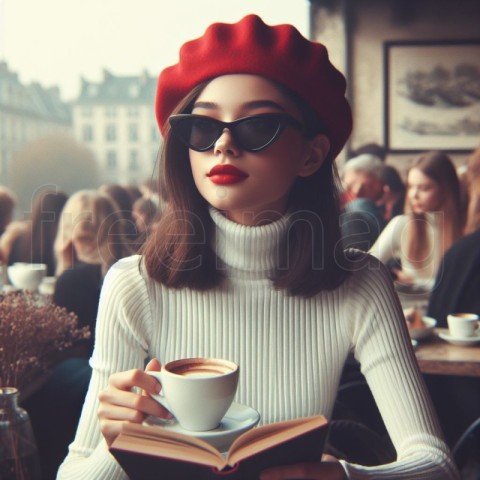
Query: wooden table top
pixel 438 357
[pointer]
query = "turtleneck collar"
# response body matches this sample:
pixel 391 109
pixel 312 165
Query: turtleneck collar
pixel 247 248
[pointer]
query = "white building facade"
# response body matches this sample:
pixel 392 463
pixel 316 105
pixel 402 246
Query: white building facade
pixel 115 119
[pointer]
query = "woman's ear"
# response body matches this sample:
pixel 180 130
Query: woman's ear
pixel 316 152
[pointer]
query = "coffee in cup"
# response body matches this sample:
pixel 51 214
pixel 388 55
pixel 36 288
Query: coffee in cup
pixel 462 324
pixel 197 391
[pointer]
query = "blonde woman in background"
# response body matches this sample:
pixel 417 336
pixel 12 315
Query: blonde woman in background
pixel 431 223
pixel 90 231
pixel 90 239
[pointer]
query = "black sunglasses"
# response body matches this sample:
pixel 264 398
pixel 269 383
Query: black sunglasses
pixel 252 133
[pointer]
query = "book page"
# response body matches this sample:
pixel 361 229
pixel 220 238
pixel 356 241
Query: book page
pixel 158 442
pixel 263 437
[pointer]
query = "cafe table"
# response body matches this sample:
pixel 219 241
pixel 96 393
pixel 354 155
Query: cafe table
pixel 438 357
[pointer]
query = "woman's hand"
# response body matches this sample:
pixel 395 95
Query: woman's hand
pixel 402 277
pixel 329 468
pixel 118 404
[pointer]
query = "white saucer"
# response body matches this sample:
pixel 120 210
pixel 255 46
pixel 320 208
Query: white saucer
pixel 238 419
pixel 462 341
pixel 425 331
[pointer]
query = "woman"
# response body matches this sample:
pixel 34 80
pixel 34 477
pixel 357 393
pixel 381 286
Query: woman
pixel 244 265
pixel 89 241
pixel 473 189
pixel 7 206
pixel 35 244
pixel 431 223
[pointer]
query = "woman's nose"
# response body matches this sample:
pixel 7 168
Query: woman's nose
pixel 226 144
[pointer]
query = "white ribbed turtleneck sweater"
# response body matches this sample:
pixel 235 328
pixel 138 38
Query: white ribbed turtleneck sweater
pixel 291 350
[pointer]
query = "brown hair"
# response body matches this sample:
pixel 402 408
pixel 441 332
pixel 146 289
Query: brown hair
pixel 179 254
pixel 473 183
pixel 36 245
pixel 439 167
pixel 7 204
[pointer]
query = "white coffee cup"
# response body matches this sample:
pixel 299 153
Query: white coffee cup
pixel 462 324
pixel 27 275
pixel 197 391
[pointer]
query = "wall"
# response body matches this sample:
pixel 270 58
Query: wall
pixel 359 53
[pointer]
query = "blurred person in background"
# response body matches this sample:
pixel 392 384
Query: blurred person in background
pixel 7 207
pixel 362 218
pixel 457 288
pixel 34 244
pixel 473 192
pixel 457 285
pixel 123 200
pixel 431 223
pixel 394 189
pixel 144 214
pixel 362 178
pixel 90 239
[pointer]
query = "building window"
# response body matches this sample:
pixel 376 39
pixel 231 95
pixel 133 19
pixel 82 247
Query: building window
pixel 133 132
pixel 134 91
pixel 111 112
pixel 111 133
pixel 87 112
pixel 133 111
pixel 111 160
pixel 87 133
pixel 134 163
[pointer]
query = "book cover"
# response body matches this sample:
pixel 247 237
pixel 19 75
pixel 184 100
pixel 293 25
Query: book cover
pixel 147 452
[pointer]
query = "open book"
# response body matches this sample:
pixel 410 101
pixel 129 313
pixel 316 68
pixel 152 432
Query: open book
pixel 148 452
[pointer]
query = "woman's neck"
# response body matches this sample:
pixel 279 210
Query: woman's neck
pixel 248 248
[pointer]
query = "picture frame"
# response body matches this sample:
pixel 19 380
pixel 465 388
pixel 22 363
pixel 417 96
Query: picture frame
pixel 432 95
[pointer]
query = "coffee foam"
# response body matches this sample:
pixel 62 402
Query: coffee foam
pixel 200 370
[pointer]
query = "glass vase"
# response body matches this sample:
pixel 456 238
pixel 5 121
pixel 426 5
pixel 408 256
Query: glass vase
pixel 19 458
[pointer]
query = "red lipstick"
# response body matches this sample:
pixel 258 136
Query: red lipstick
pixel 226 175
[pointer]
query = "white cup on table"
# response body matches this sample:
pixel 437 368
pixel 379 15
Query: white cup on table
pixel 463 325
pixel 26 276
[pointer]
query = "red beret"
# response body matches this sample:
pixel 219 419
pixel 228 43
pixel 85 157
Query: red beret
pixel 278 52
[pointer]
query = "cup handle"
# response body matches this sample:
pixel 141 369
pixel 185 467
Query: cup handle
pixel 159 397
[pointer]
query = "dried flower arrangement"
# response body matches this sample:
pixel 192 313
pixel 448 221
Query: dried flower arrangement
pixel 31 331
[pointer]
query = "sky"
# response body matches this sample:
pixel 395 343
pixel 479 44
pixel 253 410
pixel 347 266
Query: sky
pixel 56 42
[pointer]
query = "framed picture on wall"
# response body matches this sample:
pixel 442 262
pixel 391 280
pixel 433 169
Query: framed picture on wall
pixel 432 95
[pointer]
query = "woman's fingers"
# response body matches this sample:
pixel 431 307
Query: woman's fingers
pixel 134 378
pixel 128 406
pixel 119 404
pixel 153 366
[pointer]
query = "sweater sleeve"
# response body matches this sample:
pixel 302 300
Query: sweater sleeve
pixel 388 243
pixel 383 347
pixel 121 343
